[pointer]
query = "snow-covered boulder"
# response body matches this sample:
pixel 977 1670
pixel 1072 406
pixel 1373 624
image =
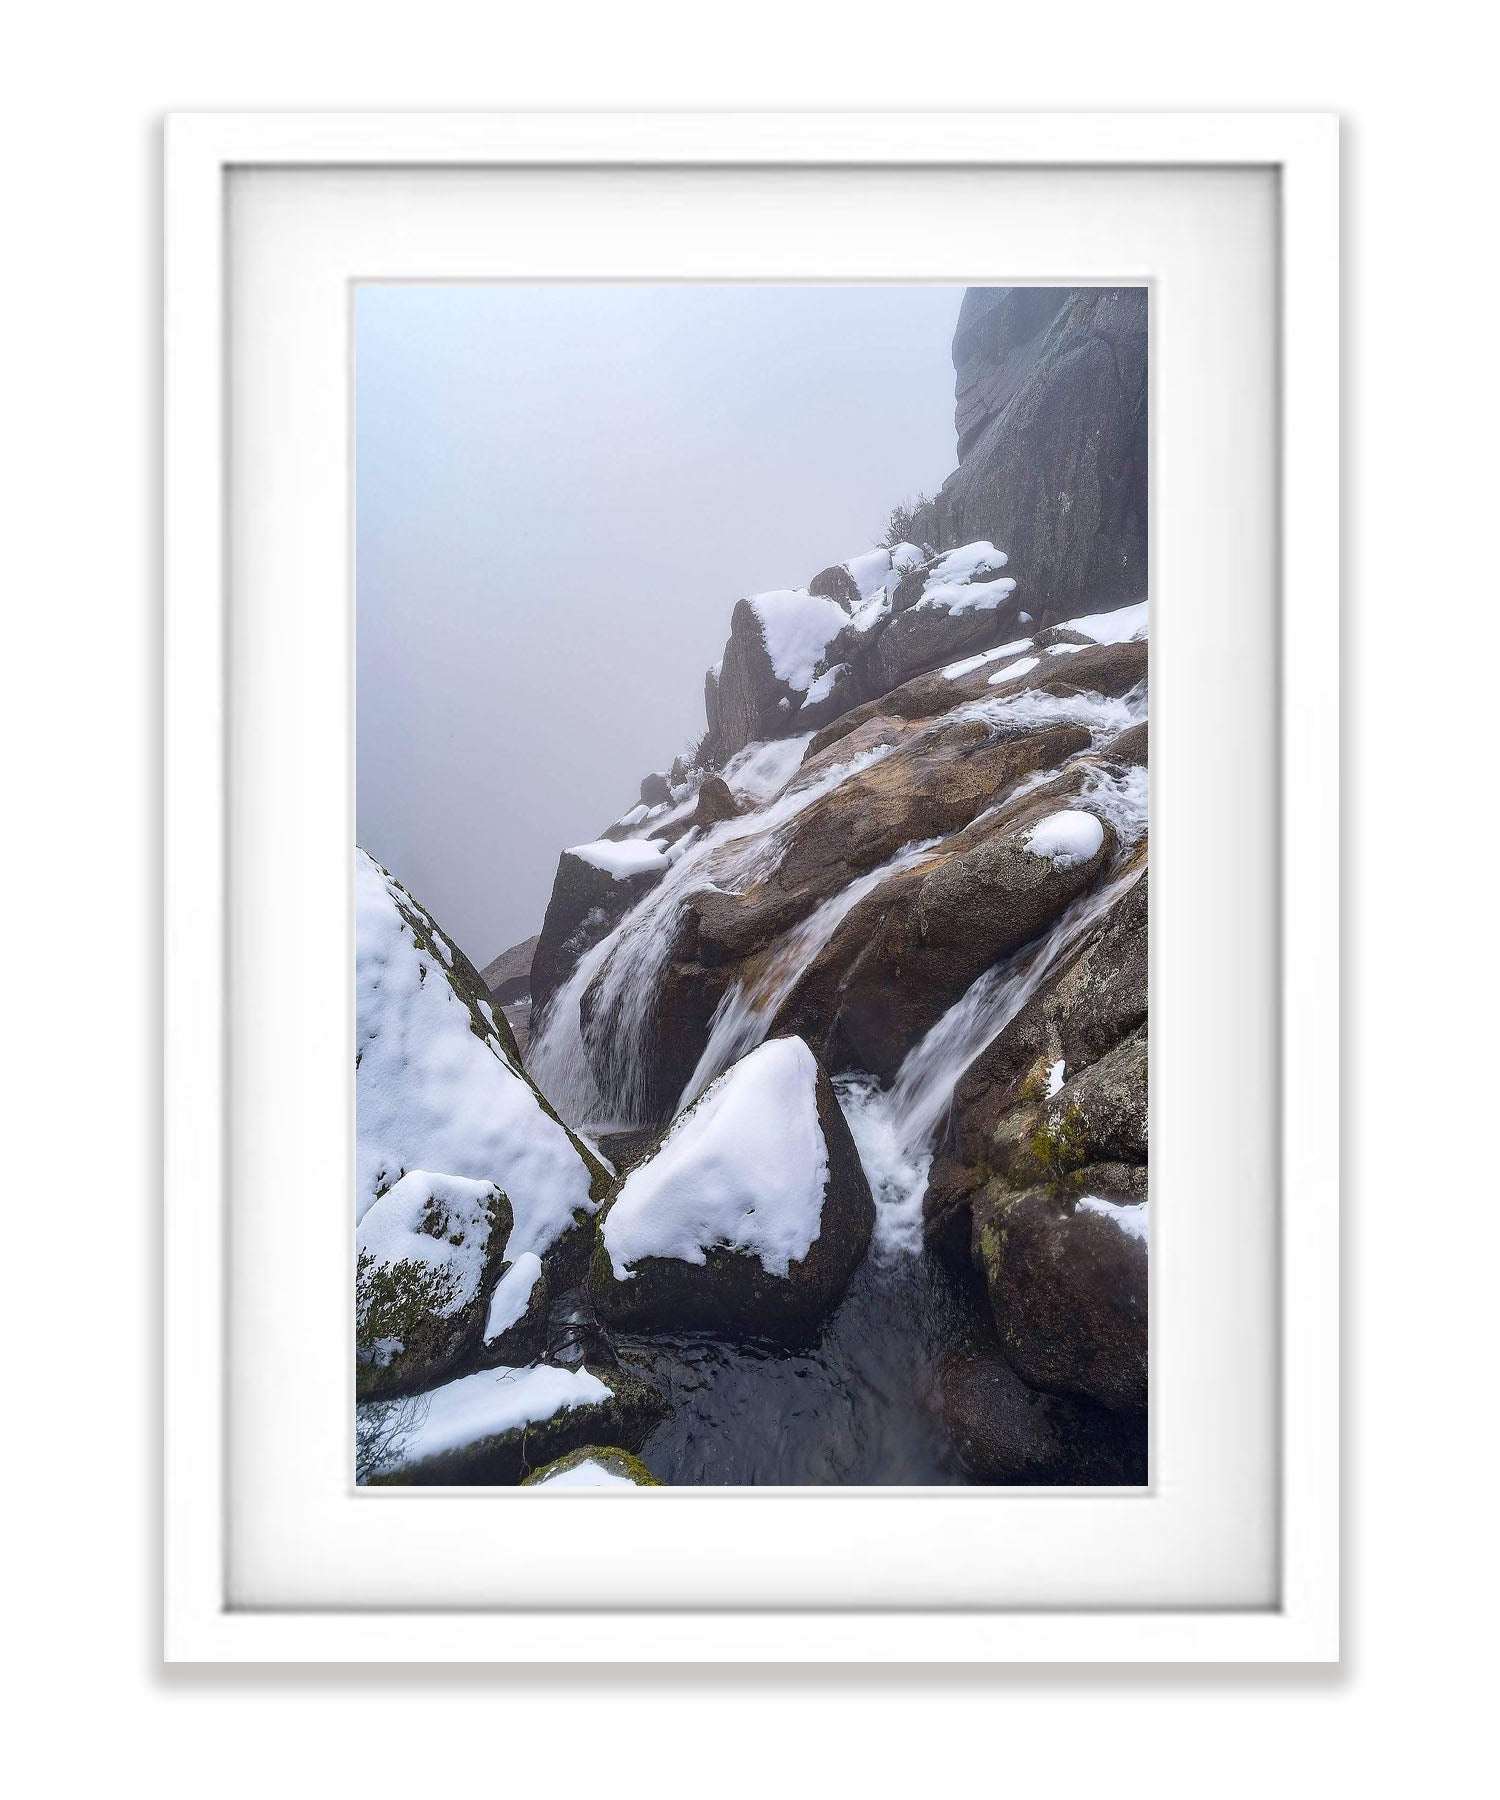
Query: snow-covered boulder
pixel 750 1216
pixel 798 658
pixel 1067 1279
pixel 438 1082
pixel 594 1466
pixel 493 1427
pixel 427 1255
pixel 595 886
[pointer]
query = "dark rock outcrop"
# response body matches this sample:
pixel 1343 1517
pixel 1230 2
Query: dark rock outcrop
pixel 1012 1435
pixel 1051 413
pixel 715 803
pixel 508 977
pixel 587 902
pixel 1069 1290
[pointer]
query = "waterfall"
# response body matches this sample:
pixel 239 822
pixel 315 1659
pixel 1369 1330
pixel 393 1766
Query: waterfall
pixel 628 963
pixel 895 1128
pixel 745 1013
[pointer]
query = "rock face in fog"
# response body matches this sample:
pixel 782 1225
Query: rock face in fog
pixel 1051 416
pixel 508 977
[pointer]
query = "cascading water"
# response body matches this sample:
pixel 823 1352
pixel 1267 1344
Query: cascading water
pixel 865 1405
pixel 895 1127
pixel 610 1088
pixel 607 1089
pixel 745 1013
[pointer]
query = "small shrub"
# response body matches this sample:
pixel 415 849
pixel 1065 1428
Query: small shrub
pixel 902 525
pixel 393 1300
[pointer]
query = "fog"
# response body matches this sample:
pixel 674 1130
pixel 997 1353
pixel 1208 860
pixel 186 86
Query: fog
pixel 560 494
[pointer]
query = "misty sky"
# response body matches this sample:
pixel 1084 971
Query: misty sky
pixel 560 494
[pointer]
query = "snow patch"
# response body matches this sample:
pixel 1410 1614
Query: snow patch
pixel 492 1401
pixel 953 585
pixel 745 1168
pixel 1056 1076
pixel 586 1474
pixel 956 671
pixel 636 856
pixel 1012 670
pixel 824 685
pixel 1065 838
pixel 512 1295
pixel 1134 1221
pixel 967 561
pixel 1126 625
pixel 797 627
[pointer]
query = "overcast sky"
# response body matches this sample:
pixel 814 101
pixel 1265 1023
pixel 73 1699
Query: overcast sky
pixel 561 492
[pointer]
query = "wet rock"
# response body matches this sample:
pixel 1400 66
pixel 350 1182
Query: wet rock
pixel 938 934
pixel 1111 670
pixel 1068 1286
pixel 715 803
pixel 586 904
pixel 1132 746
pixel 1093 1001
pixel 933 784
pixel 735 1223
pixel 626 1148
pixel 656 789
pixel 1009 1434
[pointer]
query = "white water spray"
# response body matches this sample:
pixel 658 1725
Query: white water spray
pixel 895 1128
pixel 625 967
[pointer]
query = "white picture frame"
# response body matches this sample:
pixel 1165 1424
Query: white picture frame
pixel 203 1623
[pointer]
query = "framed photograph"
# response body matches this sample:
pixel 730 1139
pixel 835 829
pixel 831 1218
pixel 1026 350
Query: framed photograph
pixel 662 619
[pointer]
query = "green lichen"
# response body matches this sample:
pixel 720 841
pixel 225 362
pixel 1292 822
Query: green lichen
pixel 1059 1147
pixel 393 1300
